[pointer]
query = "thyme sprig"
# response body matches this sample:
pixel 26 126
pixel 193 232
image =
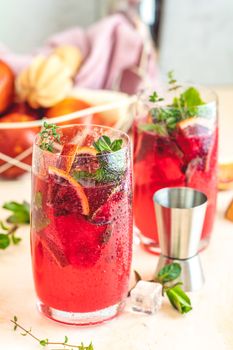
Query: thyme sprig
pixel 48 136
pixel 46 342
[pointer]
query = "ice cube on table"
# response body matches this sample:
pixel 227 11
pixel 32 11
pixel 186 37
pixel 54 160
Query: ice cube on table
pixel 146 297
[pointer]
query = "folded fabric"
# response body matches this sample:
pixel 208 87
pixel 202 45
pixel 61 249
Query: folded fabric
pixel 115 55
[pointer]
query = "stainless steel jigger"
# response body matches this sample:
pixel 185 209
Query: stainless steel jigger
pixel 180 213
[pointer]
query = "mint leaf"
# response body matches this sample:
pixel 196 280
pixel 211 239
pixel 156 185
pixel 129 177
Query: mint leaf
pixel 116 145
pixel 104 144
pixel 159 129
pixel 179 298
pixel 4 241
pixel 21 212
pixel 155 98
pixel 171 79
pixel 188 99
pixel 44 342
pixel 169 273
pixel 40 220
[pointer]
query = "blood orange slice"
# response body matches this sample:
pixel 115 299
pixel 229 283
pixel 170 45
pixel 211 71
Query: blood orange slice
pixel 194 137
pixel 67 156
pixel 75 185
pixel 85 150
pixel 196 122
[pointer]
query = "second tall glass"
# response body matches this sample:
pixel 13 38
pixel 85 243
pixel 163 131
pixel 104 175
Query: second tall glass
pixel 175 144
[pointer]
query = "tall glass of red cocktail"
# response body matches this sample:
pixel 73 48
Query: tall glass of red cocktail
pixel 81 227
pixel 175 144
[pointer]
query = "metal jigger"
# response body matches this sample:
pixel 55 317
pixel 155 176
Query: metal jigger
pixel 180 213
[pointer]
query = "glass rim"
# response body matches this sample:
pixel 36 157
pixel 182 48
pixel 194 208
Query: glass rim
pixel 123 149
pixel 160 104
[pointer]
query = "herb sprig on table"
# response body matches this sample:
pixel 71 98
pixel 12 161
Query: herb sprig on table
pixel 111 165
pixel 20 215
pixel 46 342
pixel 176 295
pixel 165 118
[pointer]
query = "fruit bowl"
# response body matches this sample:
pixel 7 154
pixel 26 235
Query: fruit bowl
pixel 102 107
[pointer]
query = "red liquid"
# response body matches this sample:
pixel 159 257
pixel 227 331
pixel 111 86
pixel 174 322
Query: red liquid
pixel 182 159
pixel 80 263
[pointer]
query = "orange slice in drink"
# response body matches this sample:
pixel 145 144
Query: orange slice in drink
pixel 196 121
pixel 225 176
pixel 69 152
pixel 78 188
pixel 85 150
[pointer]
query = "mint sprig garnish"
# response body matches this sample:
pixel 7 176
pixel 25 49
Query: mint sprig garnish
pixel 165 118
pixel 167 275
pixel 48 136
pixel 112 164
pixel 104 144
pixel 45 342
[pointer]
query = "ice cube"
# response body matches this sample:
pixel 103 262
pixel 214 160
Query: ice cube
pixel 146 297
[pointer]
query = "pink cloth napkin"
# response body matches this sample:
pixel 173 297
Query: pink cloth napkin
pixel 112 49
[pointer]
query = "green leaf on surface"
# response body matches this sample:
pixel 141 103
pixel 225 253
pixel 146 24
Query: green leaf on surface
pixel 169 272
pixel 179 299
pixel 3 226
pixel 21 212
pixel 4 241
pixel 44 342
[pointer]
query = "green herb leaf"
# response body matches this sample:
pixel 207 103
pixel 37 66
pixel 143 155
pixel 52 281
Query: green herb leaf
pixel 44 342
pixel 40 220
pixel 66 339
pixel 179 299
pixel 48 136
pixel 169 273
pixel 21 212
pixel 154 97
pixel 159 129
pixel 104 144
pixel 3 226
pixel 171 79
pixel 116 145
pixel 4 241
pixel 15 240
pixel 188 99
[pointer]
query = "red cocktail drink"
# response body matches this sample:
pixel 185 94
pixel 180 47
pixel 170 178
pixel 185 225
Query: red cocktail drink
pixel 82 227
pixel 183 153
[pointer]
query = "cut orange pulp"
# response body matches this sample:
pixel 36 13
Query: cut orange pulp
pixel 78 188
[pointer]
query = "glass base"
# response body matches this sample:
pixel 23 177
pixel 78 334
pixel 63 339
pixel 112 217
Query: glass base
pixel 153 247
pixel 80 318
